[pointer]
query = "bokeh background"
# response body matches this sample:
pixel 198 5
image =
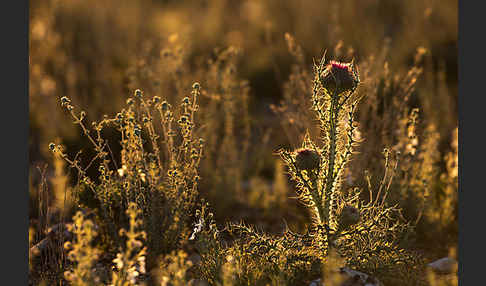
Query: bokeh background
pixel 98 52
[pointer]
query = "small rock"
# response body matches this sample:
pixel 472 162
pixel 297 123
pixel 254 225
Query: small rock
pixel 353 278
pixel 316 282
pixel 444 265
pixel 357 278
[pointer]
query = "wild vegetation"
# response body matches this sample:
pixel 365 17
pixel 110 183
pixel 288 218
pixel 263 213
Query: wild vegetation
pixel 180 143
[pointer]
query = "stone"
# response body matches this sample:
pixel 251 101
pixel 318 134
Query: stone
pixel 444 265
pixel 352 278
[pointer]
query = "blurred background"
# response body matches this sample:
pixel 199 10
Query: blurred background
pixel 98 52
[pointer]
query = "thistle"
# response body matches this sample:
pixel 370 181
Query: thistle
pixel 333 101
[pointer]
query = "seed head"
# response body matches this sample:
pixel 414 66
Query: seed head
pixel 183 119
pixel 138 93
pixel 340 77
pixel 165 106
pixel 65 100
pixel 307 159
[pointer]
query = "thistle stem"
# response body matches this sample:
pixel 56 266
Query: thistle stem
pixel 330 178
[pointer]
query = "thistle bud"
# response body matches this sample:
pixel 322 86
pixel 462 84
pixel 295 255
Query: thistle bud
pixel 340 77
pixel 349 216
pixel 307 159
pixel 138 93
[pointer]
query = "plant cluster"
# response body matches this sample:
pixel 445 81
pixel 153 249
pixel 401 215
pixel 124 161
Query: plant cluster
pixel 159 175
pixel 365 234
pixel 129 263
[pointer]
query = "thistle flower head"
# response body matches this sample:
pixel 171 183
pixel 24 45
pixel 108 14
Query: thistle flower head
pixel 307 159
pixel 340 77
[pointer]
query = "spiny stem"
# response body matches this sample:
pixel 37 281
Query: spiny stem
pixel 330 178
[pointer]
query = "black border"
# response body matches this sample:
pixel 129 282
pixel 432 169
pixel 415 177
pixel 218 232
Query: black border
pixel 471 143
pixel 14 24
